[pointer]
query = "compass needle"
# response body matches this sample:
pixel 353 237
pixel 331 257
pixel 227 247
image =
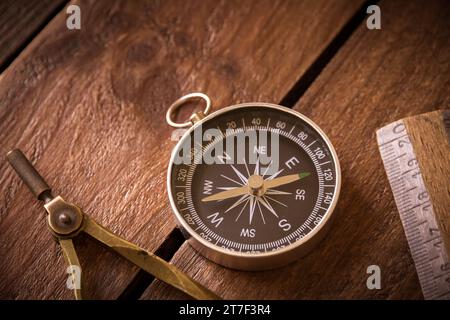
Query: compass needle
pixel 267 184
pixel 235 192
pixel 286 179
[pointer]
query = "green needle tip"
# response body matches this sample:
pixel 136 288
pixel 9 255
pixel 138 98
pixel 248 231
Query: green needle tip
pixel 302 175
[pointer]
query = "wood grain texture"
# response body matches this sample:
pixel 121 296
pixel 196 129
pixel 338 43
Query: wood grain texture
pixel 429 137
pixel 19 20
pixel 88 108
pixel 377 77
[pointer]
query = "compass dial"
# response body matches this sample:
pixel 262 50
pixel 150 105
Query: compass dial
pixel 260 183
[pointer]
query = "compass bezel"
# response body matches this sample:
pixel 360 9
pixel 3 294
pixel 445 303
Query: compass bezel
pixel 264 260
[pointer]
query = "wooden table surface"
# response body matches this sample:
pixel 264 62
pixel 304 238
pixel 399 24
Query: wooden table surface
pixel 88 107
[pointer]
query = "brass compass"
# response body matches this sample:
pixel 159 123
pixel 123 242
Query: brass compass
pixel 253 186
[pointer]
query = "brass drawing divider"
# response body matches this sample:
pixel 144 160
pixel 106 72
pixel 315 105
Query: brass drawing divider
pixel 66 221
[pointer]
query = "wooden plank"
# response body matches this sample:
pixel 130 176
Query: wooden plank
pixel 88 108
pixel 19 20
pixel 429 135
pixel 377 77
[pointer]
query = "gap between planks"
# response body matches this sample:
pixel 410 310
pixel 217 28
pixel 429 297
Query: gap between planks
pixel 9 59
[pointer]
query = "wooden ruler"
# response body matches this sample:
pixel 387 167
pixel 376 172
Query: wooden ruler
pixel 416 157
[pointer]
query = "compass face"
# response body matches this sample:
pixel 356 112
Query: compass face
pixel 256 179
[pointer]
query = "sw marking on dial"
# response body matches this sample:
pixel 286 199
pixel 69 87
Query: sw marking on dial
pixel 252 207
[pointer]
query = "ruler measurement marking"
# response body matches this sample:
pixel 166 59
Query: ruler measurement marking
pixel 432 239
pixel 408 171
pixel 406 188
pixel 437 257
pixel 442 275
pixel 416 206
pixel 395 139
pixel 406 191
pixel 396 182
pixel 400 156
